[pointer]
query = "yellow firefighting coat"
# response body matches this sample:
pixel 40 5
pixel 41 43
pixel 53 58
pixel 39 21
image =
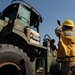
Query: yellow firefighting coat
pixel 66 46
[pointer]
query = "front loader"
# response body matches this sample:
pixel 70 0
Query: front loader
pixel 21 52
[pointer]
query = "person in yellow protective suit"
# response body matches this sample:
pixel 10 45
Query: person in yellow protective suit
pixel 66 47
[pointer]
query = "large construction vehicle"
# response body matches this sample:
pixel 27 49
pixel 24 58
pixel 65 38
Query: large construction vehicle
pixel 21 52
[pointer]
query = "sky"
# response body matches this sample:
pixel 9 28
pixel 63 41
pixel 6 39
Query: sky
pixel 51 11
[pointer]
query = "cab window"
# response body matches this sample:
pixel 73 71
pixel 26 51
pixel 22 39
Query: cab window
pixel 24 15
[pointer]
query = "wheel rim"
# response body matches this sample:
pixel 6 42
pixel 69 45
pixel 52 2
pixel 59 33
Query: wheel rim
pixel 9 69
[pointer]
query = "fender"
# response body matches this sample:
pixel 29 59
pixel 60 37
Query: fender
pixel 8 28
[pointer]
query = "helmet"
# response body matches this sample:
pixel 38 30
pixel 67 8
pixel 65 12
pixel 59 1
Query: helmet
pixel 69 23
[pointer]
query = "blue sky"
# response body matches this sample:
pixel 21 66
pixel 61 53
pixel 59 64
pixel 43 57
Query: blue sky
pixel 51 10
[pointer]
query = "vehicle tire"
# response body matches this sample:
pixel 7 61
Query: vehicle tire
pixel 13 61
